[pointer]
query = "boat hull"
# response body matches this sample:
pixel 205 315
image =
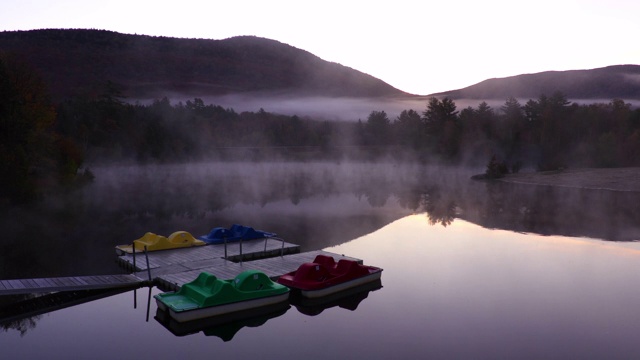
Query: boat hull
pixel 212 311
pixel 317 293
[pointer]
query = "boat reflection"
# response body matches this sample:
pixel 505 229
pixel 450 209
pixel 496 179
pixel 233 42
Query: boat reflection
pixel 348 299
pixel 223 326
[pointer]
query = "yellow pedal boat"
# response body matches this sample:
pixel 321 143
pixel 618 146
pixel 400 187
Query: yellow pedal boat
pixel 155 242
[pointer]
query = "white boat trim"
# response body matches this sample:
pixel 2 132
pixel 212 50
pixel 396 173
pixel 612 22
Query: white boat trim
pixel 342 286
pixel 162 306
pixel 201 313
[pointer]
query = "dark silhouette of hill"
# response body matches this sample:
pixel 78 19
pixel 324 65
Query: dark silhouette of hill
pixel 73 62
pixel 620 81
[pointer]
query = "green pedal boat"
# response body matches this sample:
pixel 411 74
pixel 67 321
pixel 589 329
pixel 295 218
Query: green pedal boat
pixel 207 296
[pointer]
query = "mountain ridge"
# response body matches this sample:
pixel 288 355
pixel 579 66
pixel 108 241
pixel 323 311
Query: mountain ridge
pixel 81 61
pixel 615 81
pixel 73 60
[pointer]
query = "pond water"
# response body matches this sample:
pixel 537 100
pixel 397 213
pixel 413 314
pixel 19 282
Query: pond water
pixel 471 270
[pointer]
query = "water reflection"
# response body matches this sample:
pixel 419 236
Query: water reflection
pixel 347 299
pixel 601 214
pixel 22 312
pixel 441 209
pixel 468 292
pixel 314 205
pixel 224 327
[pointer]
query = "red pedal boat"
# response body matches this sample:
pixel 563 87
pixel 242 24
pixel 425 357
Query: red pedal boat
pixel 324 276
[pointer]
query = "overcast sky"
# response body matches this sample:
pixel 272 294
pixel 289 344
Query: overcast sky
pixel 421 47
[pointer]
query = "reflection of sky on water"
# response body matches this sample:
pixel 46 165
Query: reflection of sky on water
pixel 460 291
pixel 475 291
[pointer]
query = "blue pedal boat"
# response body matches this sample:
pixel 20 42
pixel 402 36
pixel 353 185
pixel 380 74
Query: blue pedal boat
pixel 236 232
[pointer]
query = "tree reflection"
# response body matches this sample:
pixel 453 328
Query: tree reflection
pixel 547 210
pixel 410 198
pixel 440 208
pixel 22 325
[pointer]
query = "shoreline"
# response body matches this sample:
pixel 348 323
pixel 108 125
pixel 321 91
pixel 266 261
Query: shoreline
pixel 612 179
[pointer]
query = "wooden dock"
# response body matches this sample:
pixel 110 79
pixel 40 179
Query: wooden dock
pixel 202 256
pixel 273 267
pixel 47 285
pixel 170 269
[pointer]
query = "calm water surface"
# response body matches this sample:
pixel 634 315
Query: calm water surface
pixel 463 278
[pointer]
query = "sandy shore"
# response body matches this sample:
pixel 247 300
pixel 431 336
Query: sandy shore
pixel 616 179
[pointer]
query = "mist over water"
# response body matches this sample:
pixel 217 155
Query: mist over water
pixel 312 204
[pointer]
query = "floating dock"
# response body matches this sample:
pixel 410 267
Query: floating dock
pixel 184 259
pixel 170 269
pixel 223 269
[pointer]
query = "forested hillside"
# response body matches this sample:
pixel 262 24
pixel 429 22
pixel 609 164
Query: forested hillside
pixel 75 62
pixel 621 81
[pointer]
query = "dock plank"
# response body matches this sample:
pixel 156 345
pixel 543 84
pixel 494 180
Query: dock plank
pixel 43 283
pixel 67 282
pixel 16 284
pixel 31 283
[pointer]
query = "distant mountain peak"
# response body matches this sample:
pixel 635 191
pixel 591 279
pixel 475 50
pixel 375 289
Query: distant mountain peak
pixel 617 81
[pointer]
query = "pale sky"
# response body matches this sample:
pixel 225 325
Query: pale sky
pixel 421 47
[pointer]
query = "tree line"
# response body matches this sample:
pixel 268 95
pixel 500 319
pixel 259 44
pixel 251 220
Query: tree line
pixel 546 133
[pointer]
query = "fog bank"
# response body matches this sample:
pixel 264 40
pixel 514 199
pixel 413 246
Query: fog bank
pixel 340 108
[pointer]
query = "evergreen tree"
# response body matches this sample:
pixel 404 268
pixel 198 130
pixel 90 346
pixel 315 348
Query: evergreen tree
pixel 442 127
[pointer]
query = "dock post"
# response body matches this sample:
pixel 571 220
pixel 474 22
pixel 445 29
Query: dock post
pixel 225 246
pixel 133 248
pixel 282 248
pixel 147 256
pixel 148 303
pixel 240 250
